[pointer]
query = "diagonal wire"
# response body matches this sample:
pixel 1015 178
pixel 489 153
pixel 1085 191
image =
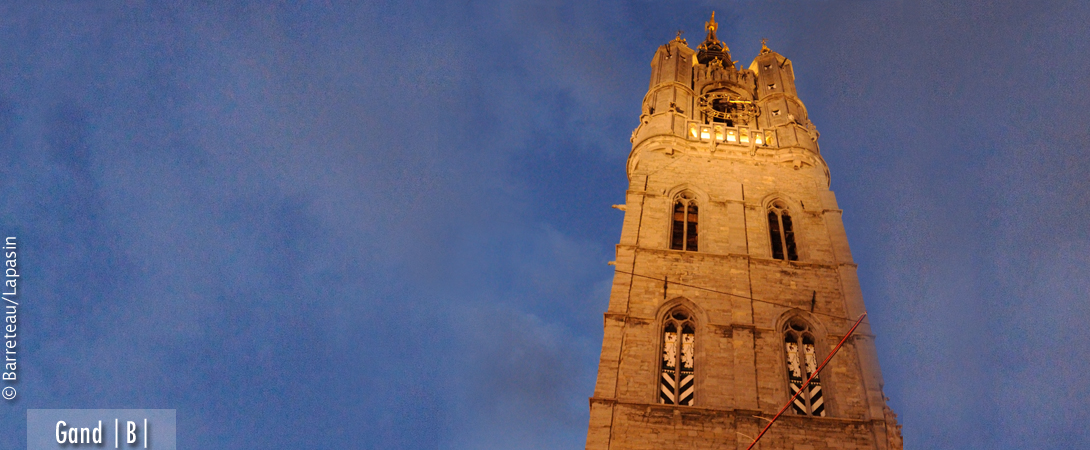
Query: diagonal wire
pixel 807 383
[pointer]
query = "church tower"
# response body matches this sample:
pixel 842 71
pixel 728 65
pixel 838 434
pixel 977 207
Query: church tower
pixel 733 274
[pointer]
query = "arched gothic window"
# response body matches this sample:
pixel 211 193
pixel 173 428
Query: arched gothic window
pixel 683 233
pixel 781 232
pixel 798 342
pixel 678 347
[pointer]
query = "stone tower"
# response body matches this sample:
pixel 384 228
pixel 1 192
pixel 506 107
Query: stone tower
pixel 733 273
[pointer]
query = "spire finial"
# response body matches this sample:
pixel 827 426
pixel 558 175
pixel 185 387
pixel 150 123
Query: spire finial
pixel 764 46
pixel 679 38
pixel 711 26
pixel 712 48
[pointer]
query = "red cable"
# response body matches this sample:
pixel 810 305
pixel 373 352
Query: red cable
pixel 807 383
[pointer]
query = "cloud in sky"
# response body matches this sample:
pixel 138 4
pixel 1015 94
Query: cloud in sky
pixel 304 225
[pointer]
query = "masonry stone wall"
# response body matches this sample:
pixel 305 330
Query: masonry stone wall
pixel 656 427
pixel 740 296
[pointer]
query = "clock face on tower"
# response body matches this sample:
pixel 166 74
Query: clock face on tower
pixel 727 107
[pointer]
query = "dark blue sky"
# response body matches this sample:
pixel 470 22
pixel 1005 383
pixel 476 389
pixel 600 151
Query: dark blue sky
pixel 386 225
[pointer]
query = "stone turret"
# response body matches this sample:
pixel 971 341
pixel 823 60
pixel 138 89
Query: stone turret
pixel 667 107
pixel 778 102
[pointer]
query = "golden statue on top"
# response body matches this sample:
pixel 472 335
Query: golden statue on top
pixel 712 48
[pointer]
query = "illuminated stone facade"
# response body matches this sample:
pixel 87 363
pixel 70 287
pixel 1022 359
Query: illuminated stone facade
pixel 733 273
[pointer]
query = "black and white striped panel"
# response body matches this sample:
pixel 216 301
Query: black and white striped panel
pixel 666 388
pixel 794 375
pixel 817 404
pixel 685 390
pixel 667 383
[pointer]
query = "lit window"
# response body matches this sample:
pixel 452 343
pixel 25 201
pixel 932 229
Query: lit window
pixel 757 139
pixel 719 133
pixel 683 233
pixel 781 233
pixel 692 131
pixel 731 136
pixel 798 343
pixel 743 136
pixel 705 133
pixel 678 354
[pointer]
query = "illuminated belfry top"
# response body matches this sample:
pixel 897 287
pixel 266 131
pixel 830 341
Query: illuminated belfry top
pixel 734 278
pixel 703 96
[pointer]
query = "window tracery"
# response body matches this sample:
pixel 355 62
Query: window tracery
pixel 678 359
pixel 802 362
pixel 683 233
pixel 781 232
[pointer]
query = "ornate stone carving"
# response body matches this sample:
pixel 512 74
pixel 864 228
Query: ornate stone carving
pixel 727 106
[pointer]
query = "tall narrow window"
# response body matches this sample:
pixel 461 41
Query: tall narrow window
pixel 676 378
pixel 798 342
pixel 683 233
pixel 781 233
